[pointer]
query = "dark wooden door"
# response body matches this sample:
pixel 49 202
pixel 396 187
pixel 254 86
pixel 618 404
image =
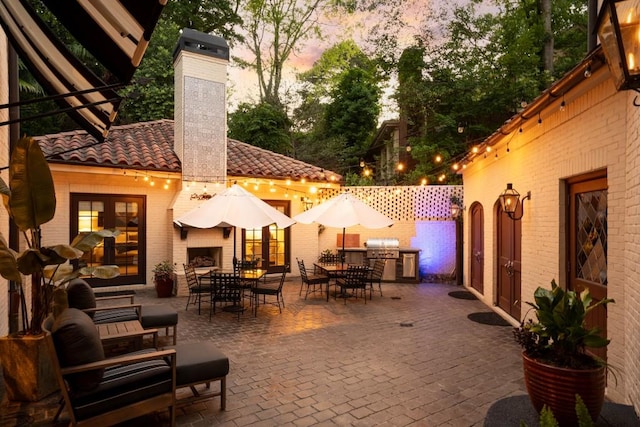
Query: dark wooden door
pixel 477 247
pixel 509 264
pixel 587 219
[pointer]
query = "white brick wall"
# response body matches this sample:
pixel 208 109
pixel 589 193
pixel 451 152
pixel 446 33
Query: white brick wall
pixel 590 134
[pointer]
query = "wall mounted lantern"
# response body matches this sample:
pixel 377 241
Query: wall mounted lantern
pixel 510 201
pixel 618 29
pixel 456 210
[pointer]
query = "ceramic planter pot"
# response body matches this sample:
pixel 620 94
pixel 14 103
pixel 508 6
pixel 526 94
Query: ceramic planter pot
pixel 164 287
pixel 557 387
pixel 28 371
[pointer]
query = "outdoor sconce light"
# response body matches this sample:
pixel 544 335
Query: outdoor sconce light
pixel 307 203
pixel 618 29
pixel 456 210
pixel 510 201
pixel 226 232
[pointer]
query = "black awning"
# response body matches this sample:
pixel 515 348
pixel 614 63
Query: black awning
pixel 115 32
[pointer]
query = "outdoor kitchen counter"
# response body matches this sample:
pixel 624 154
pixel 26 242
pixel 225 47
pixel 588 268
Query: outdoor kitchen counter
pixel 407 265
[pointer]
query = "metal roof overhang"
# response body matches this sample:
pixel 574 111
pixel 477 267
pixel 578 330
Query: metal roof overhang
pixel 94 23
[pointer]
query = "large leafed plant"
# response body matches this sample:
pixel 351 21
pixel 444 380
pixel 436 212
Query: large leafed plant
pixel 30 201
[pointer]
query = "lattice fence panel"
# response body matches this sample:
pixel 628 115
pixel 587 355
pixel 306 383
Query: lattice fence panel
pixel 431 203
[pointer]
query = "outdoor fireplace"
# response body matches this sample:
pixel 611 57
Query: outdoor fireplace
pixel 205 257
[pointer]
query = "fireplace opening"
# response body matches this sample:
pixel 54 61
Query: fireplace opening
pixel 205 257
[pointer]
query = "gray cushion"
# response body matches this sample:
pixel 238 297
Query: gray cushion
pixel 199 362
pixel 77 342
pixel 80 295
pixel 158 315
pixel 124 385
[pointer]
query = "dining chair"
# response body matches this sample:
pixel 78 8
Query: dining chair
pixel 226 288
pixel 355 279
pixel 269 289
pixel 196 286
pixel 375 276
pixel 313 282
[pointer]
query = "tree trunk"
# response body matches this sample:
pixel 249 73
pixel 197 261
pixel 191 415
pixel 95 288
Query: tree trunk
pixel 547 51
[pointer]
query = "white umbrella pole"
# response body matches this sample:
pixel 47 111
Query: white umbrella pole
pixel 343 253
pixel 235 259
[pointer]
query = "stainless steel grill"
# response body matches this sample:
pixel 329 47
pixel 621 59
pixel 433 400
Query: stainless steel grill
pixel 386 248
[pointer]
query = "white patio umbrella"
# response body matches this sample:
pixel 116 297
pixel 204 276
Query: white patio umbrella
pixel 234 207
pixel 344 211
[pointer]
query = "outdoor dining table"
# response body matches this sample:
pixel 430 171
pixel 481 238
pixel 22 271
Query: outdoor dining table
pixel 333 271
pixel 248 278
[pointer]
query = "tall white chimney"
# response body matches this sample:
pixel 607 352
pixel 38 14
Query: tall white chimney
pixel 200 120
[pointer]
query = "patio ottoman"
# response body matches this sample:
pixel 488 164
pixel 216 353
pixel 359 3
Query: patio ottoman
pixel 160 316
pixel 200 363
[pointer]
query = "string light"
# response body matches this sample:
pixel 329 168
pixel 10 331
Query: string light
pixel 438 158
pixel 562 104
pixel 539 120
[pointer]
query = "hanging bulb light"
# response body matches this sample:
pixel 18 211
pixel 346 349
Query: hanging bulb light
pixel 562 104
pixel 539 120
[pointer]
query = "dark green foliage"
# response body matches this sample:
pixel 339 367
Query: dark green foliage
pixel 262 125
pixel 559 335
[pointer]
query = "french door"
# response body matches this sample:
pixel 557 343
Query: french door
pixel 509 264
pixel 124 213
pixel 269 246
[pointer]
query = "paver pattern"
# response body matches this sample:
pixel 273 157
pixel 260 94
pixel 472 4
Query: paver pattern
pixel 409 358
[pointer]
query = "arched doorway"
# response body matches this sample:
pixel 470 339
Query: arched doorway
pixel 476 214
pixel 509 268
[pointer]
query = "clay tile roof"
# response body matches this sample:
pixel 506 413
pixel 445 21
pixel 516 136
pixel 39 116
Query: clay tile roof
pixel 149 146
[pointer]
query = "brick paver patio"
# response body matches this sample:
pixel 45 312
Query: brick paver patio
pixel 409 358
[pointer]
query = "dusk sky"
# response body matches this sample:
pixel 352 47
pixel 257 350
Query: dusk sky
pixel 243 84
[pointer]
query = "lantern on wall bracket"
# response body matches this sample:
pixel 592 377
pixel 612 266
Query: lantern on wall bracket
pixel 618 29
pixel 510 202
pixel 456 207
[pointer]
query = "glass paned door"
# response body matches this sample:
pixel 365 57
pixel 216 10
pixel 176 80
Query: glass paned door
pixel 268 245
pixel 587 245
pixel 125 214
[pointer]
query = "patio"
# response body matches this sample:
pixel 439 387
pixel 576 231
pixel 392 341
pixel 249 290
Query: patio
pixel 411 357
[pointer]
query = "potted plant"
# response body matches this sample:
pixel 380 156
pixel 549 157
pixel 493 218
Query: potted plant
pixel 557 364
pixel 30 201
pixel 163 278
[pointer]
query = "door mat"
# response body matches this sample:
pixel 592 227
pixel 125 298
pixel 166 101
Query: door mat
pixel 488 318
pixel 114 293
pixel 462 295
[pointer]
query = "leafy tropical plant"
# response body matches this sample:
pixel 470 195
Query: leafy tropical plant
pixel 560 335
pixel 30 201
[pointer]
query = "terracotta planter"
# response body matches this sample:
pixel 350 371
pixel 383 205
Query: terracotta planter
pixel 557 387
pixel 164 287
pixel 27 369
